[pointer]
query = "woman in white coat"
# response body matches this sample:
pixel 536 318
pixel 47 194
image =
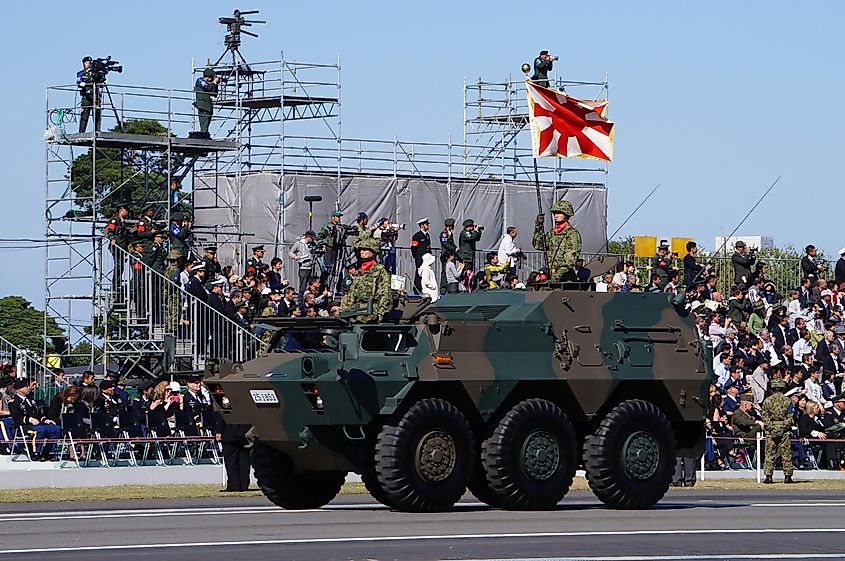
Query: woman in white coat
pixel 430 286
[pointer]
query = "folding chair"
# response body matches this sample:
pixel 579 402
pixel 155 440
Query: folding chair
pixel 129 428
pixel 157 428
pixel 7 434
pixel 73 429
pixel 810 451
pixel 22 438
pixel 186 428
pixel 101 429
pixel 209 422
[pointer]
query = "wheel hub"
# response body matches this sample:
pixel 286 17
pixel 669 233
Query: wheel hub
pixel 640 455
pixel 435 456
pixel 540 455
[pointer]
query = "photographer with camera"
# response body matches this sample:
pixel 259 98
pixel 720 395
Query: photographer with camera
pixel 467 240
pixel 809 266
pixel 205 92
pixel 420 245
pixel 91 94
pixel 742 260
pixel 542 66
pixel 386 234
pixel 330 240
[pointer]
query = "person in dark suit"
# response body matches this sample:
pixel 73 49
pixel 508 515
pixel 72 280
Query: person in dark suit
pixel 780 332
pixel 24 414
pixel 196 403
pixel 288 303
pixel 236 454
pixel 141 405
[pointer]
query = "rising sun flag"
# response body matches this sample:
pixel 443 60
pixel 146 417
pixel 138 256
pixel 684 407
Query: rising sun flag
pixel 567 127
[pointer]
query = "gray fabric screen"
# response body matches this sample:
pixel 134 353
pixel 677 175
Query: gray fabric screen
pixel 273 218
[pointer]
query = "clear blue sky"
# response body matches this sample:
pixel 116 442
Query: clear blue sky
pixel 713 100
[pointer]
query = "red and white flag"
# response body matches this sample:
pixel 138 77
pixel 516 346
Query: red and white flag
pixel 567 127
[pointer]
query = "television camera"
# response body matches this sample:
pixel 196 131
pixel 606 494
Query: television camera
pixel 100 67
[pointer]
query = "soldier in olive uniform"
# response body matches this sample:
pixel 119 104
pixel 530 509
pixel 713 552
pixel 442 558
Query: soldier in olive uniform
pixel 542 66
pixel 180 235
pixel 146 228
pixel 370 284
pixel 563 242
pixel 330 241
pixel 212 265
pixel 660 265
pixel 173 291
pixel 117 233
pixel 467 241
pixel 778 423
pixel 205 92
pixel 137 261
pixel 155 258
pixel 447 246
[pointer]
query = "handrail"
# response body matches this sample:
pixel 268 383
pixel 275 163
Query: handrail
pixel 27 366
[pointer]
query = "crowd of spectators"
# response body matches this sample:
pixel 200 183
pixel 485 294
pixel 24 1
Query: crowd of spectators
pixel 758 335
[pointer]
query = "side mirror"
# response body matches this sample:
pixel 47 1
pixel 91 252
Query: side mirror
pixel 349 346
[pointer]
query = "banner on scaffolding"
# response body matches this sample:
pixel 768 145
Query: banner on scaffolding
pixel 566 127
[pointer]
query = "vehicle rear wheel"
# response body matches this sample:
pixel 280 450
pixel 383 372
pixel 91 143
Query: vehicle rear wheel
pixel 425 461
pixel 531 457
pixel 630 458
pixel 274 472
pixel 370 480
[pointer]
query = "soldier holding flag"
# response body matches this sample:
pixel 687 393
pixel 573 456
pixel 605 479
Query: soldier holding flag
pixel 562 241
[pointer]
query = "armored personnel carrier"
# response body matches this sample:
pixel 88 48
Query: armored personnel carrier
pixel 504 393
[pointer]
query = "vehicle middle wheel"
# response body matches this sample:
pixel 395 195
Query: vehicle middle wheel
pixel 531 457
pixel 274 472
pixel 424 462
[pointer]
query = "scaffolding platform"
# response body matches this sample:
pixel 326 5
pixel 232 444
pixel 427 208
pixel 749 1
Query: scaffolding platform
pixel 189 146
pixel 275 102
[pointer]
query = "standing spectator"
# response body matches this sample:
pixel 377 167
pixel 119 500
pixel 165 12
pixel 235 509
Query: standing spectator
pixel 542 66
pixel 508 250
pixel 660 265
pixel 605 283
pixel 387 234
pixel 254 263
pixel 692 270
pixel 212 265
pixel 742 261
pixel 654 283
pixel 180 235
pixel 59 379
pixel 362 228
pixel 303 253
pixel 288 304
pixel 117 234
pixel 622 272
pixel 428 280
pixel 453 269
pixel 809 266
pixel 236 457
pixel 420 245
pixel 839 270
pixel 447 246
pixel 467 241
pixel 330 241
pixel 760 381
pixel 274 275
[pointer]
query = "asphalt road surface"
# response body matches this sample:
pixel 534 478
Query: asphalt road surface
pixel 686 525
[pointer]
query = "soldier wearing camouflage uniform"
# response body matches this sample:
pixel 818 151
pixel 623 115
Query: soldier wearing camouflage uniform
pixel 372 282
pixel 563 241
pixel 172 306
pixel 778 423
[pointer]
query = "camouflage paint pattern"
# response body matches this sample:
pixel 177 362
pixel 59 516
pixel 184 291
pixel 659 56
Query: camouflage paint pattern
pixel 586 351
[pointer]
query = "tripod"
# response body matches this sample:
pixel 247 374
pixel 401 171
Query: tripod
pixel 96 106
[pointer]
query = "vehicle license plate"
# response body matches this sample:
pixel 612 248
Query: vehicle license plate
pixel 264 396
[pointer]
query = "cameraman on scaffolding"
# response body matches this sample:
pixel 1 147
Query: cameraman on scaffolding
pixel 542 66
pixel 205 92
pixel 91 93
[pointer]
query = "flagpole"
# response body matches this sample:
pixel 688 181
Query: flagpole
pixel 540 211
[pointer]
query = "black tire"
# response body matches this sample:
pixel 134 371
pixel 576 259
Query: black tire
pixel 479 487
pixel 531 457
pixel 631 457
pixel 274 473
pixel 371 483
pixel 425 461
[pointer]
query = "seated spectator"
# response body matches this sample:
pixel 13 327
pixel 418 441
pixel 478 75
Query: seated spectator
pixel 654 284
pixel 24 414
pixel 67 401
pixel 605 283
pixel 494 273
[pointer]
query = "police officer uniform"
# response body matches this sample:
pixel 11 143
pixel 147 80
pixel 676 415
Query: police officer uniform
pixel 254 263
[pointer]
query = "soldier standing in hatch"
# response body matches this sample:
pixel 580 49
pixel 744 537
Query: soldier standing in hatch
pixel 205 92
pixel 563 242
pixel 370 283
pixel 447 246
pixel 778 423
pixel 117 233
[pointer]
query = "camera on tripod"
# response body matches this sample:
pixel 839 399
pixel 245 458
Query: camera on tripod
pixel 100 67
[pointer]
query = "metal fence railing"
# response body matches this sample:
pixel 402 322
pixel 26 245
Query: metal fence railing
pixel 27 364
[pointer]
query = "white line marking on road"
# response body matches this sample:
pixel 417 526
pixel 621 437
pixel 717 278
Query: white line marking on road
pixel 438 537
pixel 753 556
pixel 219 511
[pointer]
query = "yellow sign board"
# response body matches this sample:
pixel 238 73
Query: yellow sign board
pixel 645 246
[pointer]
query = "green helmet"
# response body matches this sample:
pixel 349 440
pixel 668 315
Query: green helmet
pixel 563 206
pixel 778 384
pixel 368 242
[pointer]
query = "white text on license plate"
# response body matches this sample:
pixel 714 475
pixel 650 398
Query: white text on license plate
pixel 264 396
